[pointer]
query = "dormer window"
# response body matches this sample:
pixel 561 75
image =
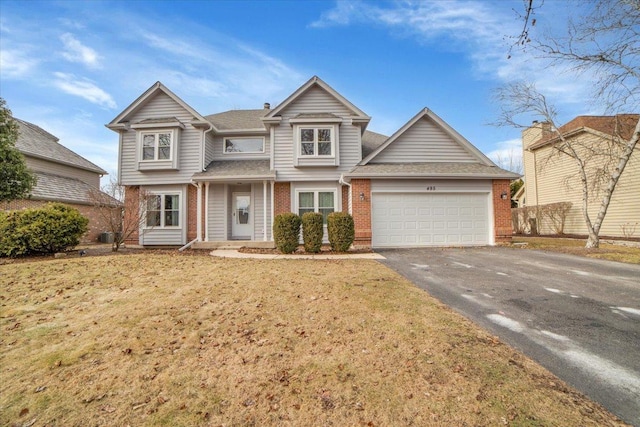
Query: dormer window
pixel 156 145
pixel 316 144
pixel 316 141
pixel 158 141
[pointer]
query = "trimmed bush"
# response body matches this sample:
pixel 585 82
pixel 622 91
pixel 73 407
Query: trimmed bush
pixel 312 231
pixel 286 232
pixel 52 228
pixel 341 231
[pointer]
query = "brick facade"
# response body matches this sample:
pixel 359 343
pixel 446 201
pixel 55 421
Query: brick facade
pixel 130 219
pixel 502 210
pixel 361 207
pixel 345 198
pixel 282 198
pixel 97 222
pixel 192 213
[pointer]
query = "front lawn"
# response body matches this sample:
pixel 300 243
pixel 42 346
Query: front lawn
pixel 617 252
pixel 177 340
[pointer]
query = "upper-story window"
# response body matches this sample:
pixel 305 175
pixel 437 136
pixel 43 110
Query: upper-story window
pixel 316 141
pixel 156 145
pixel 243 145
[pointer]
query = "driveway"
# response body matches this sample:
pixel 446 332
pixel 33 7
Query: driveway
pixel 578 317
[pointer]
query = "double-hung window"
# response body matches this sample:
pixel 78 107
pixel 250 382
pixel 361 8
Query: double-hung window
pixel 163 210
pixel 157 145
pixel 317 201
pixel 316 141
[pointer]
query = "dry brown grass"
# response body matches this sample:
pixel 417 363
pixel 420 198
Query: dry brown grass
pixel 159 339
pixel 627 254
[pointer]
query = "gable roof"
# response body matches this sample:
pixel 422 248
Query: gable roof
pixel 621 125
pixel 36 142
pixel 118 122
pixel 371 141
pixel 316 81
pixel 238 120
pixel 470 148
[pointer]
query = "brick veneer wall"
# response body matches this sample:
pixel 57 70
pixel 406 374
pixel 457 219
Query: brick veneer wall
pixel 502 210
pixel 192 213
pixel 131 225
pixel 97 225
pixel 282 196
pixel 345 198
pixel 361 211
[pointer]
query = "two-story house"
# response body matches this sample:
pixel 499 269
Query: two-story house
pixel 223 177
pixel 62 176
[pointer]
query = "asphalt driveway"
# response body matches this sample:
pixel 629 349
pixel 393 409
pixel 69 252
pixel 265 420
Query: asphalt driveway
pixel 578 317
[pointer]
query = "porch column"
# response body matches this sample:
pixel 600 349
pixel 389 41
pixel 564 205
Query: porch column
pixel 199 213
pixel 264 210
pixel 206 211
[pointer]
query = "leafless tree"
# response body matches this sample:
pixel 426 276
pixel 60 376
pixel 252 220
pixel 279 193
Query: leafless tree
pixel 605 44
pixel 122 216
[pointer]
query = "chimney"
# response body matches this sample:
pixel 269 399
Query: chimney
pixel 267 106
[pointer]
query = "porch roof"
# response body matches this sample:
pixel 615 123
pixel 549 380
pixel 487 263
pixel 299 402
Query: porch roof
pixel 232 170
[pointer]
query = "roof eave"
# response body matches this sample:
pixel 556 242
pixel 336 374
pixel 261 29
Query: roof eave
pixel 430 175
pixel 243 178
pixel 97 170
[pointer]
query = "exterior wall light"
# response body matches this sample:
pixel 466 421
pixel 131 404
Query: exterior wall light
pixel 503 196
pixel 362 197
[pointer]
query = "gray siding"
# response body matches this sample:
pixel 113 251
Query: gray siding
pixel 42 165
pixel 217 212
pixel 209 149
pixel 190 140
pixel 424 142
pixel 349 146
pixel 167 236
pixel 258 211
pixel 316 100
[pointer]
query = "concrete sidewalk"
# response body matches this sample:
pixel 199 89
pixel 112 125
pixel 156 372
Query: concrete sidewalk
pixel 231 253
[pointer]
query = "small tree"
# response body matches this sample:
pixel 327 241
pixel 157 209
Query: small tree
pixel 16 181
pixel 312 231
pixel 120 215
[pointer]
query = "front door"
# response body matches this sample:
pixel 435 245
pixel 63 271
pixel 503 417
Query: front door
pixel 242 216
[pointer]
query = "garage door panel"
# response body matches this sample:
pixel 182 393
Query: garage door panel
pixel 415 219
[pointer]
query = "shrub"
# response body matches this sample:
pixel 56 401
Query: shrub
pixel 51 228
pixel 286 232
pixel 341 231
pixel 312 231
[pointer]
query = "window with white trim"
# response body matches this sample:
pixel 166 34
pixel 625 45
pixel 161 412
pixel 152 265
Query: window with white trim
pixel 163 210
pixel 316 141
pixel 156 145
pixel 243 145
pixel 323 202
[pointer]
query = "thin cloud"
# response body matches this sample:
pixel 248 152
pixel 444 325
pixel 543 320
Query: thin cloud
pixel 75 51
pixel 508 155
pixel 14 64
pixel 83 88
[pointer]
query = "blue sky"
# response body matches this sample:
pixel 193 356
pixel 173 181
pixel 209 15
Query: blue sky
pixel 71 67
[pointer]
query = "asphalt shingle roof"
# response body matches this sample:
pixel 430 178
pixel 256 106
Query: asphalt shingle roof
pixel 37 142
pixel 238 119
pixel 371 141
pixel 434 169
pixel 228 169
pixel 64 189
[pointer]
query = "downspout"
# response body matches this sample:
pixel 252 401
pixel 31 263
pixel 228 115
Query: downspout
pixel 341 181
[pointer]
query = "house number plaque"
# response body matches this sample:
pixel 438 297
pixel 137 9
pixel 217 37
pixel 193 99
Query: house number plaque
pixel 431 188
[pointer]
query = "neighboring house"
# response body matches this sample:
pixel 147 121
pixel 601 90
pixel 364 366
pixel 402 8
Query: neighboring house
pixel 62 176
pixel 552 177
pixel 223 177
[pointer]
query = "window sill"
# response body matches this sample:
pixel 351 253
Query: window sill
pixel 157 165
pixel 311 161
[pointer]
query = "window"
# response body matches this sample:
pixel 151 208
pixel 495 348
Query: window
pixel 316 141
pixel 163 210
pixel 156 145
pixel 244 145
pixel 316 201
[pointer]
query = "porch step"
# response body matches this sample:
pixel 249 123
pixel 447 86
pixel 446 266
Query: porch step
pixel 234 244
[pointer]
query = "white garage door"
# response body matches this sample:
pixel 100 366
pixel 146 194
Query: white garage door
pixel 418 219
